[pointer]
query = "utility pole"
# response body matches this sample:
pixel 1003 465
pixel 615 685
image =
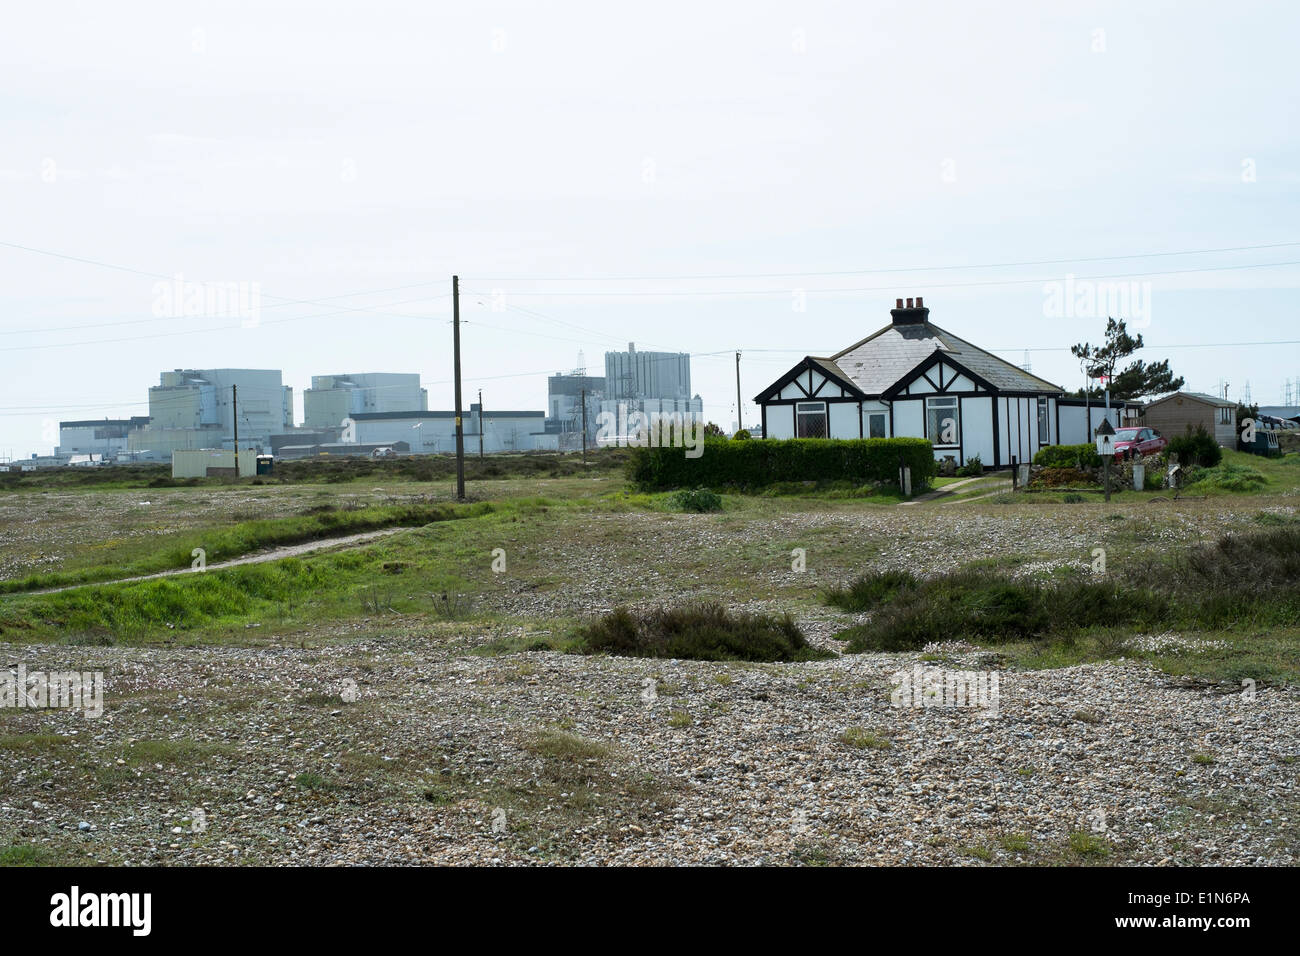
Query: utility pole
pixel 234 404
pixel 739 423
pixel 480 423
pixel 584 426
pixel 455 348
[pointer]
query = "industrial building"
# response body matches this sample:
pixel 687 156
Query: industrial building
pixel 435 432
pixel 633 375
pixel 564 412
pixel 195 408
pixel 106 437
pixel 332 398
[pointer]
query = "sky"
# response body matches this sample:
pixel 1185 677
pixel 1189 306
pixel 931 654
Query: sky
pixel 762 177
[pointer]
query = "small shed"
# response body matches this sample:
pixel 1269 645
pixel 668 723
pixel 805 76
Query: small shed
pixel 1174 414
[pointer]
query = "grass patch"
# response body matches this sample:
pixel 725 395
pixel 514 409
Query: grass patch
pixel 864 739
pixel 1087 845
pixel 702 632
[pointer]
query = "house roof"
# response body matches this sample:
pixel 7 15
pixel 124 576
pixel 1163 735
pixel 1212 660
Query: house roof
pixel 884 357
pixel 1196 396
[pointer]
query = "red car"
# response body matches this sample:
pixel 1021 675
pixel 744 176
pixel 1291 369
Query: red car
pixel 1136 442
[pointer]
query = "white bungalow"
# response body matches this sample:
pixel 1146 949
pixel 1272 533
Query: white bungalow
pixel 913 379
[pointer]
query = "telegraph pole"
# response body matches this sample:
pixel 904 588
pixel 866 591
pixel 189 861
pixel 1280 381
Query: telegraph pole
pixel 739 423
pixel 480 423
pixel 584 426
pixel 234 404
pixel 460 428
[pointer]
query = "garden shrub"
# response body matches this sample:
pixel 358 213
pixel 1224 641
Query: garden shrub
pixel 1196 448
pixel 1068 456
pixel 751 465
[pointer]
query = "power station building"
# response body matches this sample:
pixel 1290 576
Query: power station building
pixel 332 398
pixel 649 382
pixel 196 408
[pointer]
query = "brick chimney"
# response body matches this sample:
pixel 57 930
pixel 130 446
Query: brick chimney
pixel 913 313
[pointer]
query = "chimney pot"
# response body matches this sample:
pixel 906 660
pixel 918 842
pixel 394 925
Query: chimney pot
pixel 909 303
pixel 919 303
pixel 898 303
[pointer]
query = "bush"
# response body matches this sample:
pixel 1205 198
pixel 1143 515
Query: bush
pixel 698 499
pixel 742 435
pixel 1072 498
pixel 1061 478
pixel 972 469
pixel 1068 456
pixel 1196 448
pixel 1203 587
pixel 701 632
pixel 756 464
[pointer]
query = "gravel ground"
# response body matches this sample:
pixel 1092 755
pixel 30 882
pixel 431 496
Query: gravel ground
pixel 451 754
pixel 747 761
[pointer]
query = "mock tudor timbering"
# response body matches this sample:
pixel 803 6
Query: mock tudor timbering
pixel 913 379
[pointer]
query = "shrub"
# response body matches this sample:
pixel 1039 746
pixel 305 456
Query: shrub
pixel 1068 456
pixel 1196 448
pixel 698 499
pixel 1060 478
pixel 742 435
pixel 702 632
pixel 870 589
pixel 972 469
pixel 1201 587
pixel 757 464
pixel 1072 498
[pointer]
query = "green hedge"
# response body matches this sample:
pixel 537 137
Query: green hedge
pixel 756 464
pixel 1068 456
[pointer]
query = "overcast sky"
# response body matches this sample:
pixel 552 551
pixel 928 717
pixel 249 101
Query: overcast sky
pixel 579 163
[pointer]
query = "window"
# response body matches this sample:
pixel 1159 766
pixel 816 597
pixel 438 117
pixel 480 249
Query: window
pixel 810 420
pixel 943 422
pixel 876 425
pixel 1043 431
pixel 1225 415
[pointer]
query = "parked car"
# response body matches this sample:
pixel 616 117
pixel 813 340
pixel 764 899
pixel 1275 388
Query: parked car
pixel 1136 442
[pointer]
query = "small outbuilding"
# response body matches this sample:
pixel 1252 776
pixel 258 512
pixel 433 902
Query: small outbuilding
pixel 1174 414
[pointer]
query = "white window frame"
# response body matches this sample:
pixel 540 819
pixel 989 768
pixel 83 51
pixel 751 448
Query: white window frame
pixel 1044 426
pixel 809 409
pixel 944 402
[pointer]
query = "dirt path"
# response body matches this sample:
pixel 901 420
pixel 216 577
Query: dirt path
pixel 275 554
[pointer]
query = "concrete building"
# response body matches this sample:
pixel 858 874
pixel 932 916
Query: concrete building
pixel 333 398
pixel 435 432
pixel 104 436
pixel 194 408
pixel 211 462
pixel 635 375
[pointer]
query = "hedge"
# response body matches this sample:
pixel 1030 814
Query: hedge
pixel 1068 456
pixel 755 464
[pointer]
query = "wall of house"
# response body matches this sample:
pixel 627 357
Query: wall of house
pixel 977 429
pixel 780 421
pixel 909 418
pixel 1077 428
pixel 845 420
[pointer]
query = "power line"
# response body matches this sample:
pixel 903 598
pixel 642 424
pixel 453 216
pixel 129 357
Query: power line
pixel 850 272
pixel 928 285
